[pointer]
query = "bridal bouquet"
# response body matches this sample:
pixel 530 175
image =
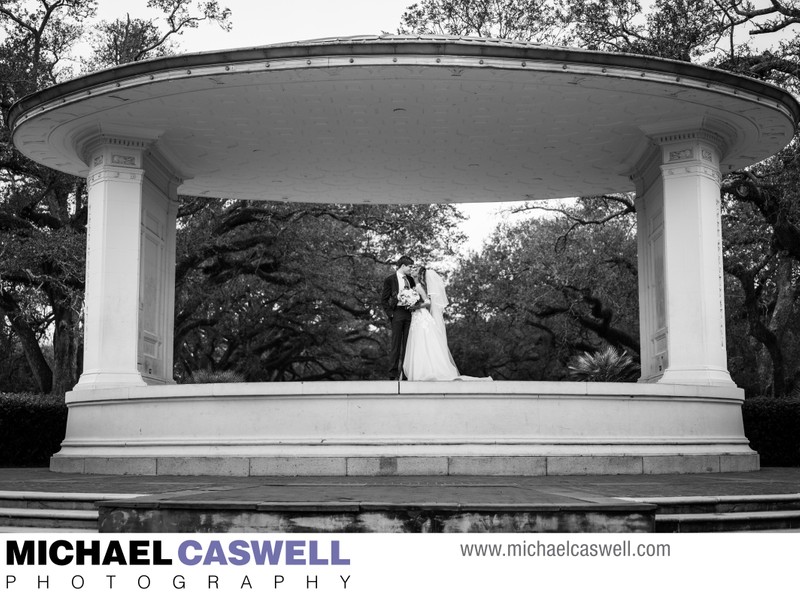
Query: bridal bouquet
pixel 407 298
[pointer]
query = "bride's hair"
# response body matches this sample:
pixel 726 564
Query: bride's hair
pixel 421 276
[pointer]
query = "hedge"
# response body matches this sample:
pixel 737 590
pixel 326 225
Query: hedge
pixel 773 427
pixel 32 427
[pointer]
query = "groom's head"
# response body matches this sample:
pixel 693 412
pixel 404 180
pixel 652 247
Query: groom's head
pixel 404 263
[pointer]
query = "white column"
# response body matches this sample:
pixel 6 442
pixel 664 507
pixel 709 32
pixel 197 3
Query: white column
pixel 111 314
pixel 682 310
pixel 130 265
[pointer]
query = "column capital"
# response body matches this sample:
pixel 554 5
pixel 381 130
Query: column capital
pixel 710 130
pixel 690 136
pixel 678 151
pixel 126 158
pixel 691 153
pixel 108 151
pixel 126 142
pixel 118 140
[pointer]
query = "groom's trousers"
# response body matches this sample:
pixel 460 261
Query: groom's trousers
pixel 401 322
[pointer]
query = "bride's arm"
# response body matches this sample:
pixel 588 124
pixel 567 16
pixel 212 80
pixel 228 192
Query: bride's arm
pixel 426 302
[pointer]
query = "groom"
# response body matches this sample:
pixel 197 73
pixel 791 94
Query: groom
pixel 399 317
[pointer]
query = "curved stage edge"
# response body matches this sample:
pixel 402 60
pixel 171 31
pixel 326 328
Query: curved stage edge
pixel 384 428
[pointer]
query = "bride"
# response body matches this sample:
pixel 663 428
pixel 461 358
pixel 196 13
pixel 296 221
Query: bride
pixel 427 356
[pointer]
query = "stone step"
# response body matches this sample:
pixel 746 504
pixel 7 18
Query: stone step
pixel 55 500
pixel 724 504
pixel 725 513
pixel 48 518
pixel 729 522
pixel 31 511
pixel 45 529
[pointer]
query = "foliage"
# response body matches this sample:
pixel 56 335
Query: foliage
pixel 605 365
pixel 37 37
pixel 134 39
pixel 772 426
pixel 676 29
pixel 528 20
pixel 761 217
pixel 764 277
pixel 203 376
pixel 272 291
pixel 497 347
pixel 42 212
pixel 32 427
pixel 283 292
pixel 547 287
pixel 762 212
pixel 264 290
pixel 14 374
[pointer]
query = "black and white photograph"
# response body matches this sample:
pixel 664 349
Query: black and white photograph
pixel 289 284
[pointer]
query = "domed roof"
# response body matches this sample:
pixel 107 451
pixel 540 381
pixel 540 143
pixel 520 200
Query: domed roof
pixel 403 119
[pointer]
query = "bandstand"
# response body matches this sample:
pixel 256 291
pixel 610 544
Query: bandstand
pixel 403 120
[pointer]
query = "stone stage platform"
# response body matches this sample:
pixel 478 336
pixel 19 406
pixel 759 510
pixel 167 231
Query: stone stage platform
pixel 383 428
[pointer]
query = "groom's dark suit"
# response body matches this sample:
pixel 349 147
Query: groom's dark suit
pixel 400 318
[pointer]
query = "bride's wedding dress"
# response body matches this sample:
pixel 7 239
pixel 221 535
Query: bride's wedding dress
pixel 427 356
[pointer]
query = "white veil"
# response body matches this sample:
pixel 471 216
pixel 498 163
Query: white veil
pixel 437 294
pixel 438 297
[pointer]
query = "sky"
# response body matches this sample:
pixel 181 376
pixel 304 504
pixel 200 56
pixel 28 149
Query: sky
pixel 263 22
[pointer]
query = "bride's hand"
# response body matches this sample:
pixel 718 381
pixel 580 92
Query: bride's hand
pixel 420 305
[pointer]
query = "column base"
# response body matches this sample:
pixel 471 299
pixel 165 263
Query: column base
pixel 702 376
pixel 93 380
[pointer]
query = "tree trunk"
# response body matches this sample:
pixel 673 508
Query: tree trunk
pixel 779 322
pixel 42 374
pixel 761 330
pixel 65 349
